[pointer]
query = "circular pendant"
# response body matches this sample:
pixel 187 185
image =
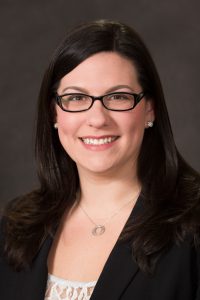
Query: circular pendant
pixel 98 230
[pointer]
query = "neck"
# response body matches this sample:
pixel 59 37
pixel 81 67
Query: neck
pixel 100 193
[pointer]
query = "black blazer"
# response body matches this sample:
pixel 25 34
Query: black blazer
pixel 177 276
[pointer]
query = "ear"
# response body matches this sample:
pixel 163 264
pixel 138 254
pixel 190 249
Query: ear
pixel 150 111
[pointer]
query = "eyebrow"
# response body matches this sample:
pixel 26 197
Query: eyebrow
pixel 110 90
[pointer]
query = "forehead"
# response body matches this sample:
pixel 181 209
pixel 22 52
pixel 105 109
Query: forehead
pixel 100 72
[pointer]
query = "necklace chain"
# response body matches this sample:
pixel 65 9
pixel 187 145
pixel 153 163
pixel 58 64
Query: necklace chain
pixel 99 229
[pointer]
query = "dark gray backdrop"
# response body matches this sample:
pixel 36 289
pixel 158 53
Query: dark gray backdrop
pixel 29 33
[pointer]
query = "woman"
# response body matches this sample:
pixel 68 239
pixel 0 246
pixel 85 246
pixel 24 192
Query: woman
pixel 117 212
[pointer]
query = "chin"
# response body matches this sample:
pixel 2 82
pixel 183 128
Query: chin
pixel 98 168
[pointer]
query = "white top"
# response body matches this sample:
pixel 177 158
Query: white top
pixel 61 289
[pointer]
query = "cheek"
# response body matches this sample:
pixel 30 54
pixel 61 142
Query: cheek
pixel 66 134
pixel 67 122
pixel 134 121
pixel 133 126
pixel 67 129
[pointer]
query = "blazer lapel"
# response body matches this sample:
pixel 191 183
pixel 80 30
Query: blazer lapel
pixel 119 269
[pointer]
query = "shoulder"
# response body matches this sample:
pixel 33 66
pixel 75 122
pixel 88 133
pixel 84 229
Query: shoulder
pixel 179 265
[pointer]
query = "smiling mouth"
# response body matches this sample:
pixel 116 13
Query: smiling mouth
pixel 99 141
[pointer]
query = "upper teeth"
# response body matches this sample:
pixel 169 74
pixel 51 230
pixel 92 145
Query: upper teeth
pixel 98 141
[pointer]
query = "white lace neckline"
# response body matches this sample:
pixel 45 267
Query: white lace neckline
pixel 70 282
pixel 62 289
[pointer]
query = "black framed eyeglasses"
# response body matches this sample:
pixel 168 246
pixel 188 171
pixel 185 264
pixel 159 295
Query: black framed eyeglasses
pixel 118 101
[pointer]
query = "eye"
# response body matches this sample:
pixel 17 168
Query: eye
pixel 75 97
pixel 119 96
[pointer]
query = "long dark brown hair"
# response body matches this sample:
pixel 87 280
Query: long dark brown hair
pixel 170 188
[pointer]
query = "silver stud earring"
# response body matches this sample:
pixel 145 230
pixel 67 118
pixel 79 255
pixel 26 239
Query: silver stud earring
pixel 149 124
pixel 55 125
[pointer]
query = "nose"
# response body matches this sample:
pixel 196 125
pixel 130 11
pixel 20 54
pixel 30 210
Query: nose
pixel 97 115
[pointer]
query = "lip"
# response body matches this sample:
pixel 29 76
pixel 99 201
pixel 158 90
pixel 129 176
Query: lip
pixel 98 137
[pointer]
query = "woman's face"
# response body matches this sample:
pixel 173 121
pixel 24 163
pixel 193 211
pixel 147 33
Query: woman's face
pixel 116 136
